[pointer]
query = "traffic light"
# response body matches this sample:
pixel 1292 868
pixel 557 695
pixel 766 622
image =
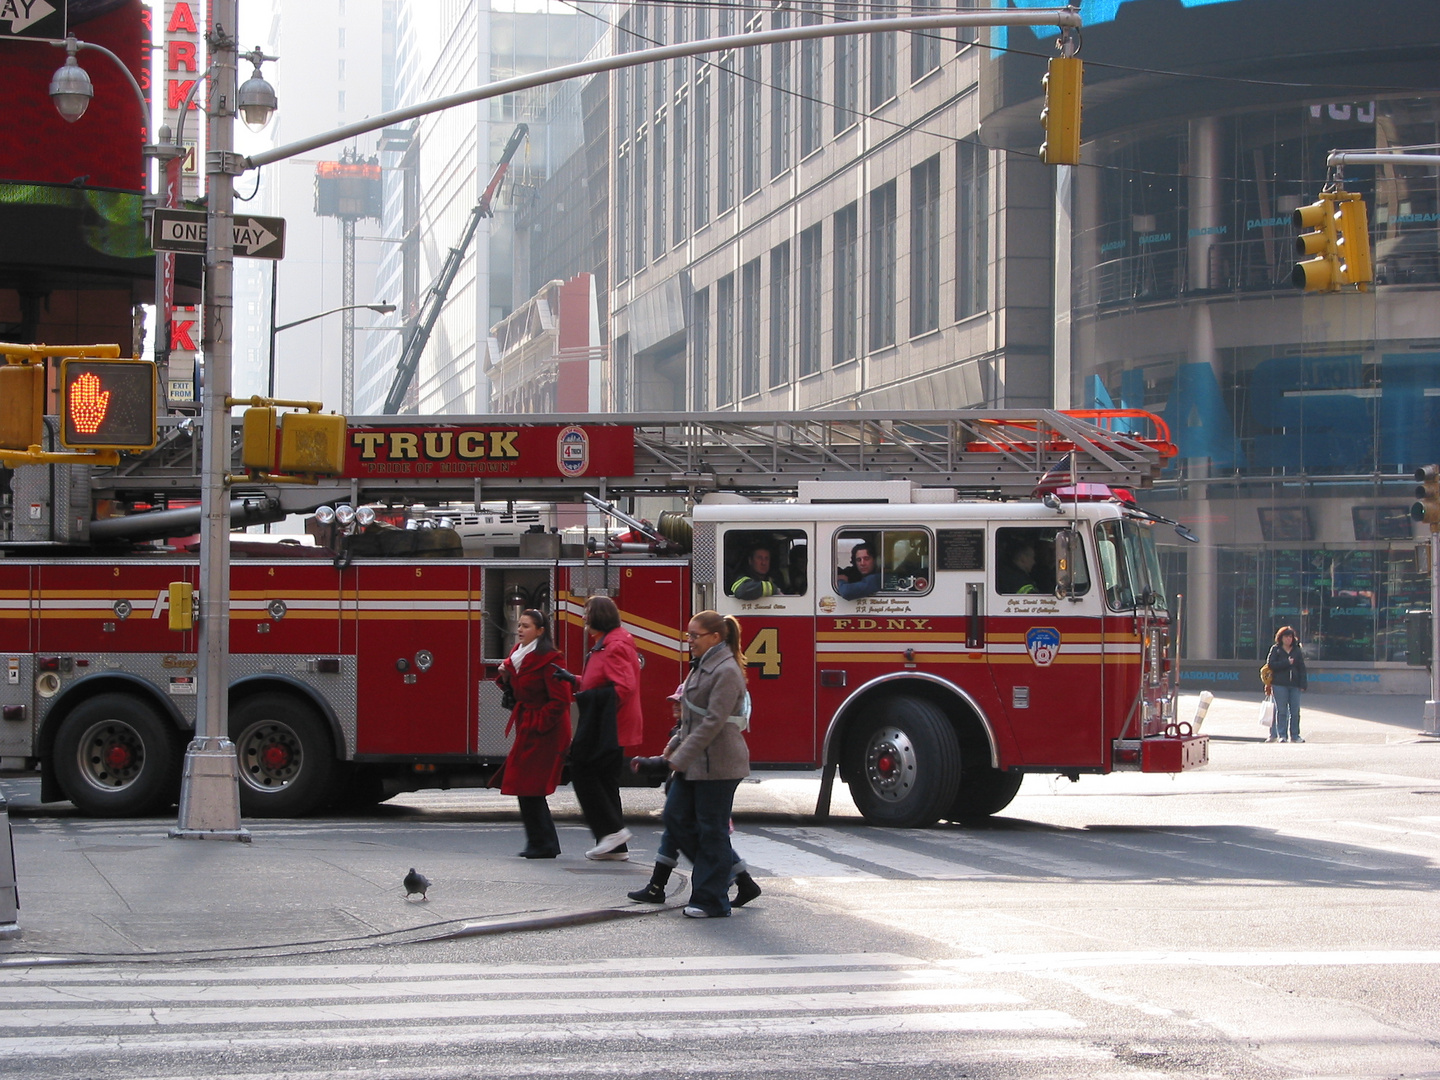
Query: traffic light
pixel 107 404
pixel 22 405
pixel 1061 115
pixel 1352 240
pixel 1319 267
pixel 312 443
pixel 1427 491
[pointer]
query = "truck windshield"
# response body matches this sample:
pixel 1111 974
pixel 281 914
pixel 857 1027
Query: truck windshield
pixel 1129 565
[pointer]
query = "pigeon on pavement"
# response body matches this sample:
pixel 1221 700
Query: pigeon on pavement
pixel 416 883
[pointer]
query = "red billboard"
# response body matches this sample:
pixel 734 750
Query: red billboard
pixel 490 450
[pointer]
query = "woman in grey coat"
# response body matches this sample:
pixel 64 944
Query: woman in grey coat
pixel 710 758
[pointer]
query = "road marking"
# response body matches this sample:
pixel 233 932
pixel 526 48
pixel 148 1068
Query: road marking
pixel 1026 859
pixel 886 855
pixel 1053 961
pixel 787 860
pixel 177 1010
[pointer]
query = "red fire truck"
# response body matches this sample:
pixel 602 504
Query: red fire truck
pixel 933 604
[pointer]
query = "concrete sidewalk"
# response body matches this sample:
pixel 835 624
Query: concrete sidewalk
pixel 97 890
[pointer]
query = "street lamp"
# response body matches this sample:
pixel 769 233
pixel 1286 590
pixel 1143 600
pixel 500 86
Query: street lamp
pixel 381 308
pixel 70 87
pixel 256 97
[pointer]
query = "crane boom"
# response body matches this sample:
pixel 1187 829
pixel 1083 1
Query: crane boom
pixel 419 335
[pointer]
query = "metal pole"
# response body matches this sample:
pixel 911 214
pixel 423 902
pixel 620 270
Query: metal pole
pixel 347 330
pixel 1431 725
pixel 274 273
pixel 210 786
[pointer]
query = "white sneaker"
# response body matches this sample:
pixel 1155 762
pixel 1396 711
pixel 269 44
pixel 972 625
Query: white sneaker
pixel 615 856
pixel 605 849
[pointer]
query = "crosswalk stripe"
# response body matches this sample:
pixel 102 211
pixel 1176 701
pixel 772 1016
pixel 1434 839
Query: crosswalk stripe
pixel 886 855
pixel 787 860
pixel 1027 860
pixel 1160 958
pixel 179 1010
pixel 473 985
pixel 1015 1020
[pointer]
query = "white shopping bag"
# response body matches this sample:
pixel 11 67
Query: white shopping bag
pixel 1267 712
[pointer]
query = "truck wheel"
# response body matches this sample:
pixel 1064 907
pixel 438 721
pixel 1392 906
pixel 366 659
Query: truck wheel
pixel 287 765
pixel 904 765
pixel 115 756
pixel 982 793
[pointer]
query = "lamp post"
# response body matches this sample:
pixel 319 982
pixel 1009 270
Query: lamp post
pixel 380 308
pixel 210 788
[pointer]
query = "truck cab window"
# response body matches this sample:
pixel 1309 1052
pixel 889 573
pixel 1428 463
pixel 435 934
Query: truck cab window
pixel 1129 565
pixel 882 562
pixel 766 562
pixel 1025 563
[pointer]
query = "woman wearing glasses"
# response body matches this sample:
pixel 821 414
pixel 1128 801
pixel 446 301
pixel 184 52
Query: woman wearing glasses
pixel 710 759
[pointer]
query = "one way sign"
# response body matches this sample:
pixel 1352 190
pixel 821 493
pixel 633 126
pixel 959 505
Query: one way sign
pixel 184 231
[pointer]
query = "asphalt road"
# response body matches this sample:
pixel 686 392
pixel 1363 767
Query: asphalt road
pixel 1273 915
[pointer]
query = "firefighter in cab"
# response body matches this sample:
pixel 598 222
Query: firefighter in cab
pixel 755 580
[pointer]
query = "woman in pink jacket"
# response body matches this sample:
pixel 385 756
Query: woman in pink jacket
pixel 611 662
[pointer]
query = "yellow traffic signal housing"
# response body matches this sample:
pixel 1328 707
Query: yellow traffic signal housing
pixel 1352 240
pixel 1319 267
pixel 312 443
pixel 107 404
pixel 1061 115
pixel 1427 491
pixel 257 441
pixel 22 405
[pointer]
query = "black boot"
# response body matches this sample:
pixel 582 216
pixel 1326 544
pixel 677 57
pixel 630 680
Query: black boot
pixel 654 892
pixel 541 840
pixel 746 889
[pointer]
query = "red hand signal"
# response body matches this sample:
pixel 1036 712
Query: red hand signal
pixel 88 403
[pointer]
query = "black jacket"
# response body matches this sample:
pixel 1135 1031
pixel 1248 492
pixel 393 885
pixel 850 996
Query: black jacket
pixel 1287 669
pixel 595 736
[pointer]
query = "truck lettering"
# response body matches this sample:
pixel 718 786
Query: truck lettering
pixel 466 446
pixel 437 444
pixel 404 444
pixel 502 444
pixel 368 441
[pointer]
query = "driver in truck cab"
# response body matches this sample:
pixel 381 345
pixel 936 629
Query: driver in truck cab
pixel 755 580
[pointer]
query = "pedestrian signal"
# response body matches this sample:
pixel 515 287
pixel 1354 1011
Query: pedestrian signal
pixel 22 405
pixel 1061 115
pixel 1427 491
pixel 107 404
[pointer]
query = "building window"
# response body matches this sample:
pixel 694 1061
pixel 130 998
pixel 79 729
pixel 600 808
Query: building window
pixel 341 72
pixel 847 81
pixel 924 46
pixel 881 271
pixel 725 340
pixel 925 246
pixel 845 295
pixel 966 35
pixel 642 203
pixel 661 186
pixel 750 328
pixel 780 99
pixel 882 58
pixel 780 315
pixel 750 124
pixel 700 351
pixel 807 305
pixel 680 166
pixel 340 101
pixel 972 229
pixel 620 387
pixel 726 106
pixel 622 214
pixel 661 93
pixel 812 85
pixel 701 176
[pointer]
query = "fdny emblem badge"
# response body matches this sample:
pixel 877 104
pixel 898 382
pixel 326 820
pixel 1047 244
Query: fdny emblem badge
pixel 572 451
pixel 1042 643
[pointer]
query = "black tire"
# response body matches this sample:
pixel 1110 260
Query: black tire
pixel 116 756
pixel 903 766
pixel 287 764
pixel 982 793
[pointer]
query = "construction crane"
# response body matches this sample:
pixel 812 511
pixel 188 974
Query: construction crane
pixel 429 313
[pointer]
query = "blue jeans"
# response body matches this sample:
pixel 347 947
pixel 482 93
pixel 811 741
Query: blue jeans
pixel 1287 712
pixel 697 820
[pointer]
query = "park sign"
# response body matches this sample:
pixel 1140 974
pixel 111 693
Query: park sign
pixel 185 231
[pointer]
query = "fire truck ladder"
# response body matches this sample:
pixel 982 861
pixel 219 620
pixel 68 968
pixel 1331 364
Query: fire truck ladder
pixel 982 454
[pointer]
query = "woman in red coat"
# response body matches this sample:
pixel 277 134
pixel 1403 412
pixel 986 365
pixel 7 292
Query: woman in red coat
pixel 611 662
pixel 541 719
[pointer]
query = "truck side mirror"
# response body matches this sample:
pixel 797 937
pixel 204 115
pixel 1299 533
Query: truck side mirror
pixel 1067 551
